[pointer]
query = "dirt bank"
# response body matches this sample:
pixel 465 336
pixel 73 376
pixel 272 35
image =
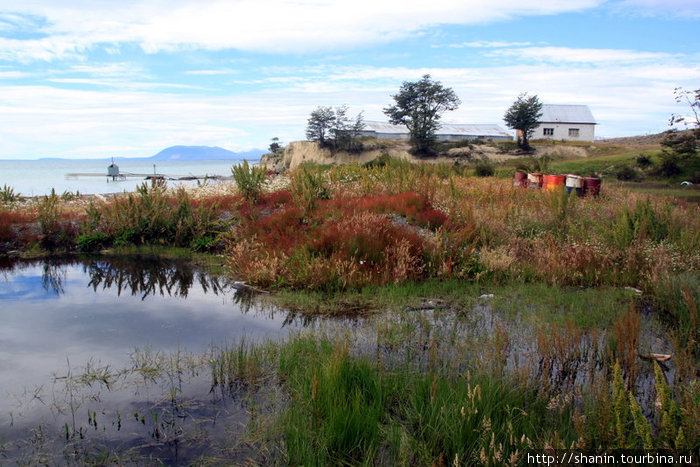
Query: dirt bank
pixel 298 152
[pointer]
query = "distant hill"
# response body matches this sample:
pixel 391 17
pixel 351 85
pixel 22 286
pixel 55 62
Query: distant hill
pixel 640 140
pixel 199 153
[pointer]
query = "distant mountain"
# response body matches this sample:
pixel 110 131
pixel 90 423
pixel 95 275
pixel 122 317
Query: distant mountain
pixel 199 153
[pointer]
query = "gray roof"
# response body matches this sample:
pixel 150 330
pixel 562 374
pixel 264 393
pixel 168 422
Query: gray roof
pixel 566 114
pixel 445 129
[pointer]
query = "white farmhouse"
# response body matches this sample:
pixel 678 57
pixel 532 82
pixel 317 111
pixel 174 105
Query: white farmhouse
pixel 566 123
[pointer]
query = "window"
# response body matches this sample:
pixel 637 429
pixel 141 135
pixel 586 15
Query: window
pixel 548 131
pixel 573 132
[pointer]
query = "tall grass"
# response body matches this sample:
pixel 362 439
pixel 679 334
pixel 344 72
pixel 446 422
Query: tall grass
pixel 345 410
pixel 8 194
pixel 151 215
pixel 249 180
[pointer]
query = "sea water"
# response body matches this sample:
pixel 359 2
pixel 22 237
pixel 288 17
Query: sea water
pixel 38 177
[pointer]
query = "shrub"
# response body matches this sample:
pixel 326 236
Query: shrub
pixel 644 161
pixel 681 143
pixel 506 146
pixel 249 180
pixel 93 242
pixel 149 216
pixel 626 173
pixel 668 166
pixel 381 161
pixel 484 168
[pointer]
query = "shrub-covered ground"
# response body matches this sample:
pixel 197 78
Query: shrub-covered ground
pixel 352 235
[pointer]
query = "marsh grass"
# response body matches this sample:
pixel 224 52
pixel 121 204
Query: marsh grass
pixel 512 327
pixel 249 180
pixel 150 216
pixel 346 410
pixel 8 194
pixel 322 398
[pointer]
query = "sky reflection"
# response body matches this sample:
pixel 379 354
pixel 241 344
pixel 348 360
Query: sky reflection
pixel 59 312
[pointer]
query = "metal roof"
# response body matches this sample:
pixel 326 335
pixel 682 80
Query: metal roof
pixel 566 114
pixel 445 129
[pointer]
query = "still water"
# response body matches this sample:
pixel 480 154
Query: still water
pixel 58 315
pixel 38 177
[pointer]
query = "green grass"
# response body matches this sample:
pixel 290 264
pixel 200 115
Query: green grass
pixel 667 190
pixel 587 307
pixel 606 165
pixel 344 410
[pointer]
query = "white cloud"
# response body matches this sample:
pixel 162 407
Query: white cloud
pixel 678 8
pixel 484 44
pixel 626 99
pixel 578 55
pixel 268 26
pixel 212 72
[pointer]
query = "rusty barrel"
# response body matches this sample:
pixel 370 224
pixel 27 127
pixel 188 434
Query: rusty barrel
pixel 574 183
pixel 554 182
pixel 591 186
pixel 520 179
pixel 534 180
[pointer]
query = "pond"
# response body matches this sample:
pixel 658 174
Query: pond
pixel 59 312
pixel 90 318
pixel 146 360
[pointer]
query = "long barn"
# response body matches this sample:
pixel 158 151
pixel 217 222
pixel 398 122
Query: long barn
pixel 447 131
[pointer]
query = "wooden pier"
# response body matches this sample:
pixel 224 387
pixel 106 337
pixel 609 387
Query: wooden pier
pixel 115 174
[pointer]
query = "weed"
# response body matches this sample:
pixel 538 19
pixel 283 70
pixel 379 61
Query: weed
pixel 249 180
pixel 8 194
pixel 308 186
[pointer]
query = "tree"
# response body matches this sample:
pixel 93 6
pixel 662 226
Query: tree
pixel 684 143
pixel 346 132
pixel 692 98
pixel 524 116
pixel 275 145
pixel 333 128
pixel 319 124
pixel 419 106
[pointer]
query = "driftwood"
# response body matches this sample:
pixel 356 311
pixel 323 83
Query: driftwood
pixel 238 285
pixel 657 357
pixel 428 304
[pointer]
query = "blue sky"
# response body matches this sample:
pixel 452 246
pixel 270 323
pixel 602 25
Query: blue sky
pixel 100 78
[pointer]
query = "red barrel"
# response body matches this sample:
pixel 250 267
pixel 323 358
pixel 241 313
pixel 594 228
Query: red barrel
pixel 520 179
pixel 534 181
pixel 554 182
pixel 591 186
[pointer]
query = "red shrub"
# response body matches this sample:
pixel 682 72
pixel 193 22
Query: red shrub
pixel 222 202
pixel 280 230
pixel 11 222
pixel 384 251
pixel 274 199
pixel 414 207
pixel 431 218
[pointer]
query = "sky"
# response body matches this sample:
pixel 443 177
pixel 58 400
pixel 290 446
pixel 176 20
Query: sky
pixel 100 78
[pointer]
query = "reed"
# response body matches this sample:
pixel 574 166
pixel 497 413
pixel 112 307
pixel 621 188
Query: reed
pixel 249 180
pixel 8 194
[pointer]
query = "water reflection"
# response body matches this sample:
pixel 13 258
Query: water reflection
pixel 53 277
pixel 150 276
pixel 55 311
